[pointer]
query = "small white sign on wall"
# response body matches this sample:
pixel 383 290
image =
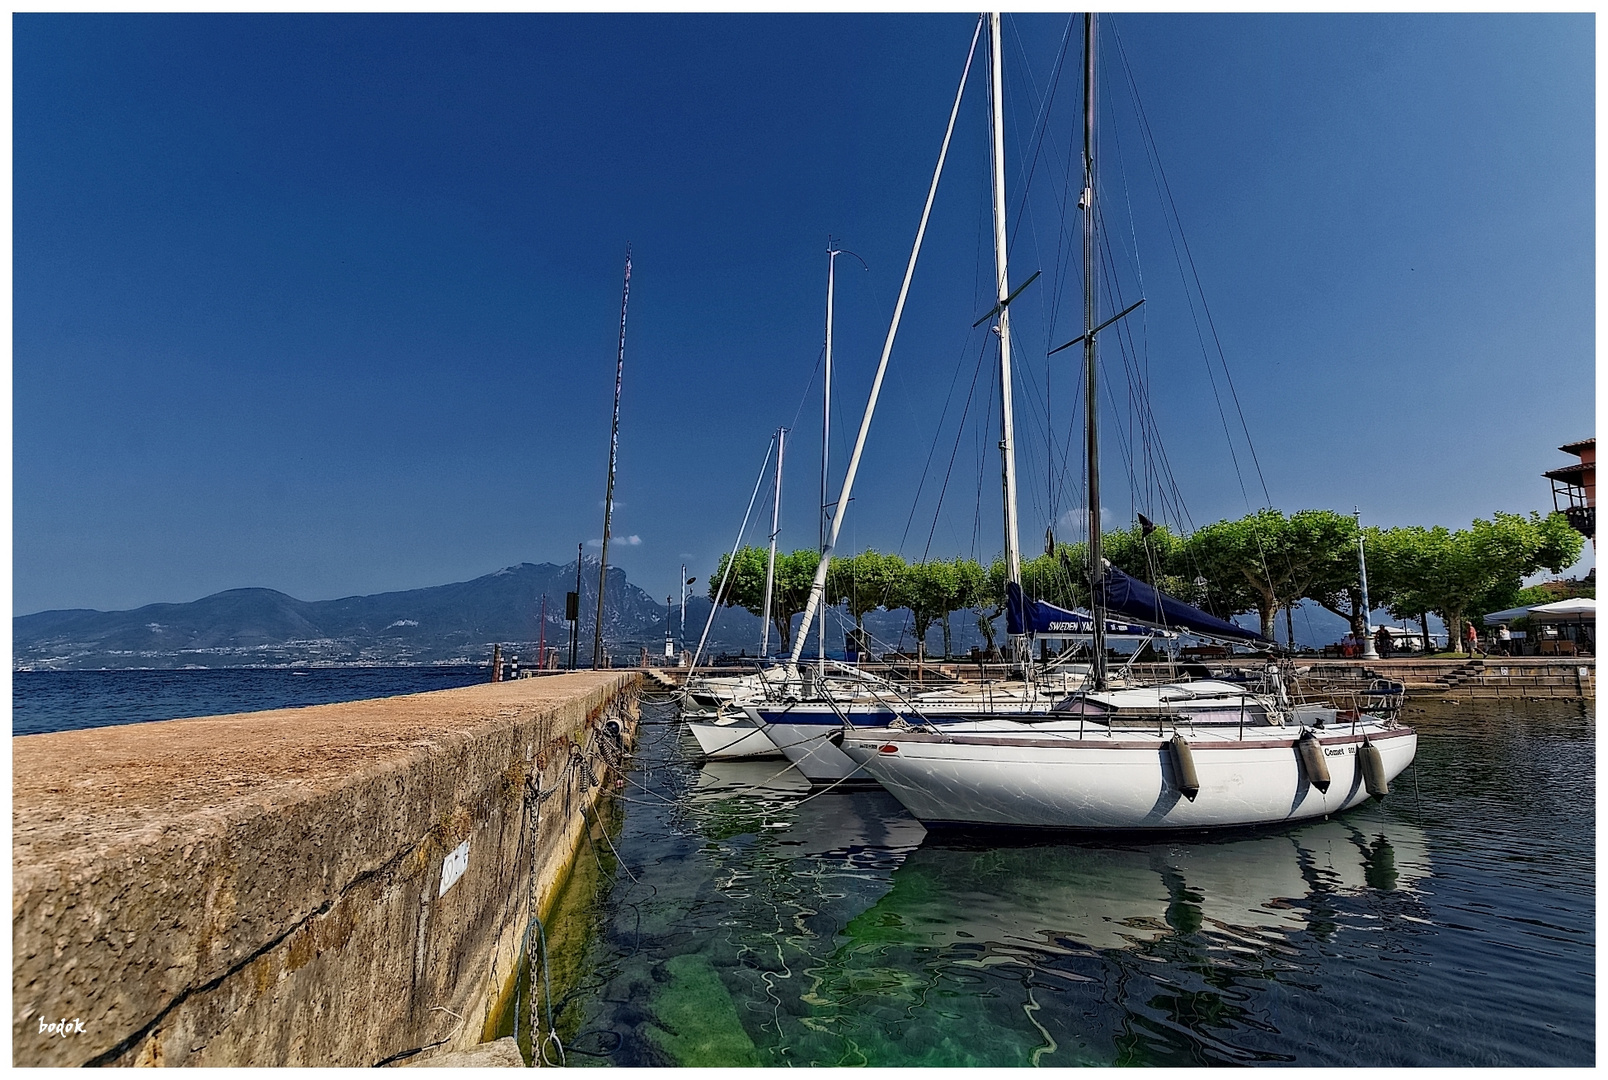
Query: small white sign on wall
pixel 453 866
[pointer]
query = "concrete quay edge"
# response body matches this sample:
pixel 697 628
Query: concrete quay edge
pixel 265 888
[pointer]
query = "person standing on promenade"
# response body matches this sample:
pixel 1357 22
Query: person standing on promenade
pixel 1504 640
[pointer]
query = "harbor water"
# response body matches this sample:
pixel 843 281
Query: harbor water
pixel 733 919
pixel 43 701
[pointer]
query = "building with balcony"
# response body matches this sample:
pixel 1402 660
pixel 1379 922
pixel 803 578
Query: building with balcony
pixel 1574 487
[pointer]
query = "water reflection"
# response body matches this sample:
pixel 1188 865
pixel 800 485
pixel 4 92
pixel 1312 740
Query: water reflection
pixel 1001 930
pixel 734 797
pixel 1057 896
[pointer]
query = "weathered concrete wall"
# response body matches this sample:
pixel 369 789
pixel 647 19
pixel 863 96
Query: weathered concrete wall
pixel 265 889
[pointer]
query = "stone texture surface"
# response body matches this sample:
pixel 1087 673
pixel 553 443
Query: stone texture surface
pixel 497 1054
pixel 264 889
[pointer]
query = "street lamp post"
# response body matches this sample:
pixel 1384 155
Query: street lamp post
pixel 1368 651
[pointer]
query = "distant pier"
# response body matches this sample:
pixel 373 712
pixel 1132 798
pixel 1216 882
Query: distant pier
pixel 345 884
pixel 1479 677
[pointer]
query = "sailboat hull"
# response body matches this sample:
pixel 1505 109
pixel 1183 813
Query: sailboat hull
pixel 732 739
pixel 805 731
pixel 810 748
pixel 1125 781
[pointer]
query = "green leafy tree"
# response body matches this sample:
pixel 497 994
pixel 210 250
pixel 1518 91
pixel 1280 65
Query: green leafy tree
pixel 745 586
pixel 1057 577
pixel 1318 550
pixel 1340 590
pixel 973 591
pixel 927 589
pixel 795 573
pixel 864 582
pixel 1233 557
pixel 1405 564
pixel 1463 574
pixel 1157 559
pixel 1265 562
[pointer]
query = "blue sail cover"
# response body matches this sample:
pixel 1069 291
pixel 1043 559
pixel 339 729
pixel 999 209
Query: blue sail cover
pixel 1023 616
pixel 1126 595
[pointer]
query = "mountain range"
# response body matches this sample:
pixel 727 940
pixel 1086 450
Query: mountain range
pixel 456 623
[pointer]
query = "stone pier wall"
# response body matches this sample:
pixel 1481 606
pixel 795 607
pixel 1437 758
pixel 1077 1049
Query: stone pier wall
pixel 335 885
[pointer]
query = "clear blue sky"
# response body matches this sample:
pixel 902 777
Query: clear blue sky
pixel 329 304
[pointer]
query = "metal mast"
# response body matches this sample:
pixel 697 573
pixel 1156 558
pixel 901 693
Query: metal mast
pixel 1007 418
pixel 770 567
pixel 826 426
pixel 614 450
pixel 1091 404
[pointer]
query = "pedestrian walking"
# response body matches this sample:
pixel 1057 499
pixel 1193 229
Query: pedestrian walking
pixel 1473 636
pixel 1504 640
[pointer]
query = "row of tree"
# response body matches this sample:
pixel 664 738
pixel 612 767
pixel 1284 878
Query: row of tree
pixel 1264 563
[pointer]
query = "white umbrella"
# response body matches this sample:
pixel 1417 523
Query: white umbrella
pixel 1507 616
pixel 1578 609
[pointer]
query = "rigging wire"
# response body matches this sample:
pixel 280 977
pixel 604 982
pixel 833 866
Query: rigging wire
pixel 959 431
pixel 932 448
pixel 1196 295
pixel 1194 275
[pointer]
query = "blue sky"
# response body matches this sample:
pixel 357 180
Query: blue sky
pixel 329 304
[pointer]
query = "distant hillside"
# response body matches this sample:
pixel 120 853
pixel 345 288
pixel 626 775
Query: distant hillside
pixel 443 624
pixel 457 623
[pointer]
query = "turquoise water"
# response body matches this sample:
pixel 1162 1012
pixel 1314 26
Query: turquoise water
pixel 1451 925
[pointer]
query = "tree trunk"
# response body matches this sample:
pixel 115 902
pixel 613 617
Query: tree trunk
pixel 1267 607
pixel 946 635
pixel 1352 617
pixel 1454 632
pixel 1424 619
pixel 1268 611
pixel 985 626
pixel 922 626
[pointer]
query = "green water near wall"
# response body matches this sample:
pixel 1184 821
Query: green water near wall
pixel 562 939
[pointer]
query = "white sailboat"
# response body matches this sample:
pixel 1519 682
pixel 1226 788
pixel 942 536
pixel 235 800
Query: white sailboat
pixel 1177 756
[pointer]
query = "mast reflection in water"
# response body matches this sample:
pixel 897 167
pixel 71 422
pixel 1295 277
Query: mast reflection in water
pixel 1452 924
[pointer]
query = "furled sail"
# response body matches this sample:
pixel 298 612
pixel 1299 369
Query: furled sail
pixel 1024 616
pixel 1127 595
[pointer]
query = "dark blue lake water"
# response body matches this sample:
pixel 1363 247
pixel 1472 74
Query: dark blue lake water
pixel 1453 924
pixel 44 701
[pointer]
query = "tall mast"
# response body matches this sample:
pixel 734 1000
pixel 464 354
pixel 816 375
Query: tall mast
pixel 818 585
pixel 1007 419
pixel 1091 400
pixel 614 450
pixel 770 567
pixel 826 427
